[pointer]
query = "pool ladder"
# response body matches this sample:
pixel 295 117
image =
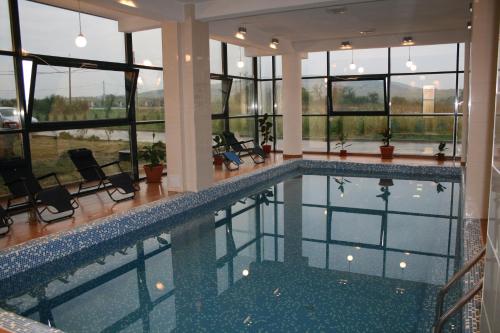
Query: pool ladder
pixel 442 318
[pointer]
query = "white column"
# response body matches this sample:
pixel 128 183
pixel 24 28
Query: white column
pixel 188 122
pixel 483 59
pixel 292 104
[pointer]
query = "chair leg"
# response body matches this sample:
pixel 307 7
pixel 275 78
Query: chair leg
pixel 110 193
pixel 40 218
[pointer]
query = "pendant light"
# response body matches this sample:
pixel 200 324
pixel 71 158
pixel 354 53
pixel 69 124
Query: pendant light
pixel 409 63
pixel 240 62
pixel 352 66
pixel 80 40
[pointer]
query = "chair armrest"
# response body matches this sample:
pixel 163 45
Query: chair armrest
pixel 109 164
pixel 52 174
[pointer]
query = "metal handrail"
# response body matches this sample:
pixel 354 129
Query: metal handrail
pixel 458 275
pixel 438 327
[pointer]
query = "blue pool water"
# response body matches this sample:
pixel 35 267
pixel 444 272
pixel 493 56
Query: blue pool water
pixel 313 253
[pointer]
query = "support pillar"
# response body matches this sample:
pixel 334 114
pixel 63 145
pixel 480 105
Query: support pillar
pixel 292 105
pixel 188 122
pixel 483 57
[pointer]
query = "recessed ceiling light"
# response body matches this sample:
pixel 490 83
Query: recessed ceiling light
pixel 128 3
pixel 241 33
pixel 274 43
pixel 366 32
pixel 345 45
pixel 408 41
pixel 337 10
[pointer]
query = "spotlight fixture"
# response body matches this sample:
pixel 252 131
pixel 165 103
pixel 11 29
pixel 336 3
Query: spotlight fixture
pixel 241 34
pixel 408 41
pixel 274 43
pixel 469 25
pixel 345 45
pixel 80 40
pixel 128 3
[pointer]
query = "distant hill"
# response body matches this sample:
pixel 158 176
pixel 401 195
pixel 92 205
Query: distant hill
pixel 151 94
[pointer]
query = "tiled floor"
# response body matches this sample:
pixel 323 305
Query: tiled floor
pixel 99 205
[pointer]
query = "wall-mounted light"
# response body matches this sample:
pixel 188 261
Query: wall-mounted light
pixel 408 41
pixel 274 43
pixel 241 33
pixel 80 40
pixel 345 45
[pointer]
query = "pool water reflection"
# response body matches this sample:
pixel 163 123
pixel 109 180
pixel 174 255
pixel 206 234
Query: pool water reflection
pixel 313 253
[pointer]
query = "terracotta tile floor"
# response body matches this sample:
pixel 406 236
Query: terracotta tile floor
pixel 99 205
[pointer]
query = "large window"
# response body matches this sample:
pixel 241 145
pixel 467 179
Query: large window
pixel 51 31
pixel 362 95
pixel 77 101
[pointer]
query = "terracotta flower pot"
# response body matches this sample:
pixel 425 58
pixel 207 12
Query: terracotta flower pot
pixel 154 173
pixel 387 152
pixel 385 182
pixel 440 156
pixel 218 160
pixel 266 149
pixel 343 153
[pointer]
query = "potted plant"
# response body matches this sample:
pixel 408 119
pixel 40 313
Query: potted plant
pixel 442 148
pixel 342 144
pixel 265 131
pixel 386 150
pixel 217 150
pixel 154 154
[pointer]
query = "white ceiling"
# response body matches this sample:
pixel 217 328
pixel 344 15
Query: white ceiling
pixel 301 25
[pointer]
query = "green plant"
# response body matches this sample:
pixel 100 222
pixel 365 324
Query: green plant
pixel 342 141
pixel 265 129
pixel 154 153
pixel 386 137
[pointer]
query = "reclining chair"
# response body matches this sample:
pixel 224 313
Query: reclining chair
pixel 5 222
pixel 92 173
pixel 240 148
pixel 22 184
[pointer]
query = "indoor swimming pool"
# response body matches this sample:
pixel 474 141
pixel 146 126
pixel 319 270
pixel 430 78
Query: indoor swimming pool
pixel 313 253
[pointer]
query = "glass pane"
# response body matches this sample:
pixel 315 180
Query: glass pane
pixel 146 135
pixel 68 94
pixel 363 133
pixel 278 123
pixel 243 128
pixel 237 63
pixel 315 64
pixel 278 98
pixel 49 150
pixel 368 61
pixel 461 107
pixel 149 100
pixel 5 39
pixel 217 126
pixel 423 93
pixel 241 99
pixel 461 59
pixel 314 96
pixel 421 135
pixel 52 31
pixel 266 97
pixel 427 58
pixel 148 47
pixel 265 67
pixel 278 66
pixel 314 133
pixel 9 111
pixel 215 57
pixel 11 145
pixel 368 95
pixel 459 136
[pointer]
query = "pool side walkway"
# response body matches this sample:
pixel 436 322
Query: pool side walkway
pixel 96 206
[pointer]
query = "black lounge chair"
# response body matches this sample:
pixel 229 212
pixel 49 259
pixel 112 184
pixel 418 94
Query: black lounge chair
pixel 241 148
pixel 229 158
pixel 92 173
pixel 5 222
pixel 22 184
